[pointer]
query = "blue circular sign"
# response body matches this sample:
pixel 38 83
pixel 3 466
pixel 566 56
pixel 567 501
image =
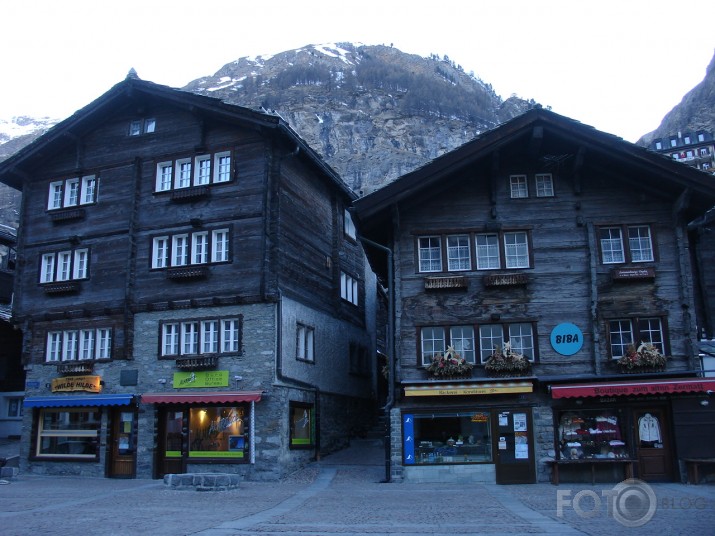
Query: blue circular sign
pixel 566 339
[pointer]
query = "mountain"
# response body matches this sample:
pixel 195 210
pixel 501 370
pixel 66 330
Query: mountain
pixel 372 112
pixel 695 112
pixel 20 131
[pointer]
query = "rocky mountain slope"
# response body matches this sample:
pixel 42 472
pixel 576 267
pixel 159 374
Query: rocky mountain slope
pixel 372 112
pixel 695 112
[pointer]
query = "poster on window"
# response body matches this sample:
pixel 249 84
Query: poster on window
pixel 520 422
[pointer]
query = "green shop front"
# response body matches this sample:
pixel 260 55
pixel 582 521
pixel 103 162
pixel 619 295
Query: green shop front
pixel 468 431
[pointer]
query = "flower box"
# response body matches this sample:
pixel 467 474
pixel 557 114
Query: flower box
pixel 645 359
pixel 505 363
pixel 449 365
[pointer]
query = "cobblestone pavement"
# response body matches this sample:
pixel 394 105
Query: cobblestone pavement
pixel 344 495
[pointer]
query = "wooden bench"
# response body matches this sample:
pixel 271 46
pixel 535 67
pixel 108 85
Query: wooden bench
pixel 593 462
pixel 692 467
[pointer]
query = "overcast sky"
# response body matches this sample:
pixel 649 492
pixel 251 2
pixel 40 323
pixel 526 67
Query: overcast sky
pixel 618 65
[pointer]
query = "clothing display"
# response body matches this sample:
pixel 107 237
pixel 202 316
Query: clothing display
pixel 649 429
pixel 591 434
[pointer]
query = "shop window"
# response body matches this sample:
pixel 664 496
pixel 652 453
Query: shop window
pixel 302 425
pixel 218 432
pixel 448 438
pixel 594 434
pixel 68 433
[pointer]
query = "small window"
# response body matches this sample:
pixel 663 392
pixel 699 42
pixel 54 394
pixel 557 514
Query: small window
pixel 220 245
pixel 14 407
pixel 203 170
pixel 149 126
pixel 142 126
pixel 183 173
pixel 658 145
pixel 305 343
pixel 164 175
pixel 348 225
pixel 673 142
pixel 701 137
pixel 433 342
pixel 544 185
pixel 135 128
pixel 488 252
pixel 200 337
pixel 348 288
pixel 222 167
pixel 64 265
pixel 458 253
pixel 516 249
pixel 519 186
pixel 687 140
pixel 430 254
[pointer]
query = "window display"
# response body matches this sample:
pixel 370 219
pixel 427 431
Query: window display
pixel 218 432
pixel 591 434
pixel 64 432
pixel 462 437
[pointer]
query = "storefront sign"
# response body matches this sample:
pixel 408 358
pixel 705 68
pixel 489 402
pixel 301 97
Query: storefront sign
pixel 90 384
pixel 205 378
pixel 566 339
pixel 483 389
pixel 633 388
pixel 480 417
pixel 620 274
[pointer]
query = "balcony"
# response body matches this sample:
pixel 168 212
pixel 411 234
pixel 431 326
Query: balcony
pixel 505 280
pixel 61 287
pixel 77 367
pixel 446 283
pixel 70 214
pixel 189 194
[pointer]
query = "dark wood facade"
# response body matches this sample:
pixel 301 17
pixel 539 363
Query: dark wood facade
pixel 510 234
pixel 267 232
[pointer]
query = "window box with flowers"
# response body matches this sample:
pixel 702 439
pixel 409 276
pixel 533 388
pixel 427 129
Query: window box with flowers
pixel 646 358
pixel 505 362
pixel 449 365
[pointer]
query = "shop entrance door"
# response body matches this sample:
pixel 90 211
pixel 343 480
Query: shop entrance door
pixel 122 444
pixel 653 448
pixel 514 447
pixel 172 446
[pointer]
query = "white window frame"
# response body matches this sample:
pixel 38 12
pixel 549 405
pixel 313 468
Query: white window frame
pixel 305 343
pixel 230 335
pixel 209 336
pixel 487 251
pixel 200 247
pixel 461 338
pixel 349 288
pixel 348 225
pixel 490 336
pixel 53 352
pixel 516 254
pixel 180 250
pixel 56 195
pixel 433 341
pixel 182 173
pixel 189 338
pixel 104 343
pixel 160 252
pixel 544 185
pixel 69 345
pixel 220 245
pixel 71 198
pixel 89 190
pixel 429 253
pixel 164 176
pixel 222 167
pixel 170 339
pixel 81 264
pixel 641 245
pixel 86 344
pixel 202 170
pixel 64 266
pixel 459 255
pixel 518 186
pixel 135 127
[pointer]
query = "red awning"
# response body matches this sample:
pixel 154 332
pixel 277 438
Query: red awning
pixel 645 387
pixel 213 397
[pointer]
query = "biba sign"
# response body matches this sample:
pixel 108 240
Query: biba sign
pixel 90 384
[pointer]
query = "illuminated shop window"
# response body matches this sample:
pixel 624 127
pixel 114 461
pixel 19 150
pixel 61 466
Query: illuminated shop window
pixel 449 438
pixel 218 432
pixel 302 426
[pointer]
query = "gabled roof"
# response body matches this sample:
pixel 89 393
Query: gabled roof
pixel 13 169
pixel 664 176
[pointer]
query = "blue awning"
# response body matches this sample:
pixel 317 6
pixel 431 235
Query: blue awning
pixel 76 401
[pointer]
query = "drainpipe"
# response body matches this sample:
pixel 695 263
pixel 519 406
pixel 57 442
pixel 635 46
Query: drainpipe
pixel 390 354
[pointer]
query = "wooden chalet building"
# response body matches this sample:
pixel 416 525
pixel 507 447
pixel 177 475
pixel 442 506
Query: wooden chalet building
pixel 191 291
pixel 540 253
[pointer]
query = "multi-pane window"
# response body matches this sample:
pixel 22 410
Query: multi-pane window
pixel 348 225
pixel 68 433
pixel 624 332
pixel 198 337
pixel 72 192
pixel 430 254
pixel 488 252
pixel 183 173
pixel 142 126
pixel 638 247
pixel 435 340
pixel 507 249
pixel 348 288
pixel 458 254
pixel 518 186
pixel 305 343
pixel 516 249
pixel 64 265
pixel 544 185
pixel 190 248
pixel 78 344
pixel 201 170
pixel 222 167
